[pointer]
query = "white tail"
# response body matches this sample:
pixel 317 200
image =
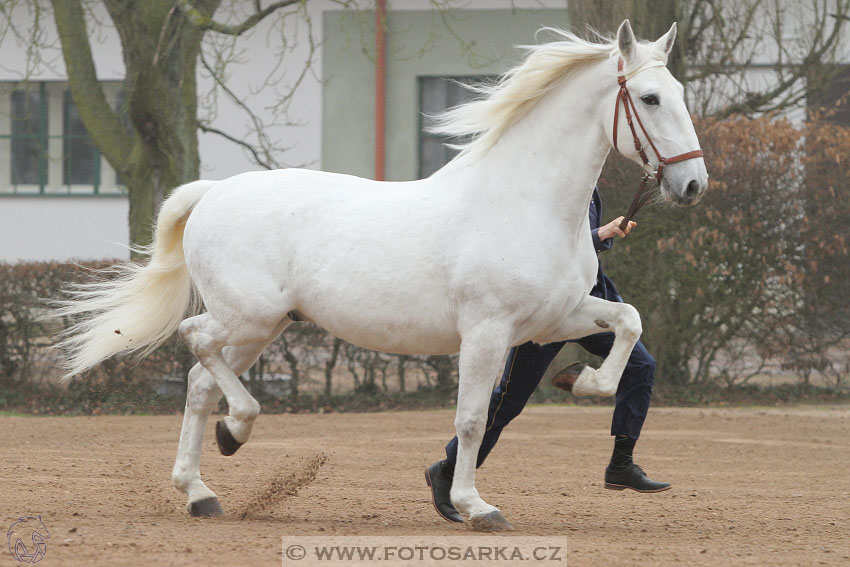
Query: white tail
pixel 135 308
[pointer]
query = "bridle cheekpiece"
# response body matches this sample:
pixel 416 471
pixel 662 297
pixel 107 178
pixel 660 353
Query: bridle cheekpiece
pixel 650 172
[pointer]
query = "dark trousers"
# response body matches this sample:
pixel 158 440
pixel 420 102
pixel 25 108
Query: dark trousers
pixel 525 368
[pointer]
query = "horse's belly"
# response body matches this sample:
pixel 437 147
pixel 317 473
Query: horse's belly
pixel 388 326
pixel 420 341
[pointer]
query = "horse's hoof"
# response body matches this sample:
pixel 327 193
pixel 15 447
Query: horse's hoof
pixel 566 378
pixel 206 507
pixel 492 522
pixel 226 443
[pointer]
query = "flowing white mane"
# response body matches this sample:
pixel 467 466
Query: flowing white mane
pixel 504 102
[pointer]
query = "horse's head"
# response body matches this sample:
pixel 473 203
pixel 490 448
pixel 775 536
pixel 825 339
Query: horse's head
pixel 650 113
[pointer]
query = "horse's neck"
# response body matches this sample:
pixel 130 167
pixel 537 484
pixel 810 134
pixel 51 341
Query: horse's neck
pixel 552 157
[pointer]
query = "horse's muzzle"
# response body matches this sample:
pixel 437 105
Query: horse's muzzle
pixel 690 194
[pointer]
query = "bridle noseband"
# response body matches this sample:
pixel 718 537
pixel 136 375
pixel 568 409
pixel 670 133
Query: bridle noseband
pixel 641 196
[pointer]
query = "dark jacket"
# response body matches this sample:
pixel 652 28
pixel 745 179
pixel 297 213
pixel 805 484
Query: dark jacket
pixel 604 287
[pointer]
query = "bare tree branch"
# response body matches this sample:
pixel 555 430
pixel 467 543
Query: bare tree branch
pixel 35 39
pixel 257 157
pixel 266 145
pixel 204 22
pixel 793 45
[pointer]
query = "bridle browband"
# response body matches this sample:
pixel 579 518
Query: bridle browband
pixel 641 196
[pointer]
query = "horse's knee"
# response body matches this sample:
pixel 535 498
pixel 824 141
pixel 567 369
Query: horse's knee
pixel 470 428
pixel 629 323
pixel 631 318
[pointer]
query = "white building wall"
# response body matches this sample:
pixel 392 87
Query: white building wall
pixel 48 228
pixel 91 227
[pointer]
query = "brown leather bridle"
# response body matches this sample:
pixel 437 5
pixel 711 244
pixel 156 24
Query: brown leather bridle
pixel 642 194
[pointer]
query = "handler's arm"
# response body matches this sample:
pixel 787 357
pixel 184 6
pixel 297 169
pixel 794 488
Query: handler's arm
pixel 603 236
pixel 600 244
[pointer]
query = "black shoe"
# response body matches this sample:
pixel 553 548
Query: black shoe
pixel 632 476
pixel 441 486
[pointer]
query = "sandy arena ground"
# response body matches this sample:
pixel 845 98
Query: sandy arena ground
pixel 751 486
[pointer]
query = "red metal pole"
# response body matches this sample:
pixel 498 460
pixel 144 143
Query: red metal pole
pixel 380 87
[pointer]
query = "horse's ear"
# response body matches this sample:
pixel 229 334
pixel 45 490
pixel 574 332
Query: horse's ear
pixel 626 40
pixel 666 41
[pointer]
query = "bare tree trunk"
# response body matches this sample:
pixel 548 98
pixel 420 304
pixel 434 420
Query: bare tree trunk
pixel 353 355
pixel 330 365
pixel 161 102
pixel 402 362
pixel 7 366
pixel 160 149
pixel 292 361
pixel 295 375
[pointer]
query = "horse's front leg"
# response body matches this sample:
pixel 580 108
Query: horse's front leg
pixel 481 354
pixel 594 315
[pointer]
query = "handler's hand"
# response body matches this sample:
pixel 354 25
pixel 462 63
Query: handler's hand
pixel 613 229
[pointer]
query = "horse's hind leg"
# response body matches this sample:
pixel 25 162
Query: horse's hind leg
pixel 482 354
pixel 202 395
pixel 207 338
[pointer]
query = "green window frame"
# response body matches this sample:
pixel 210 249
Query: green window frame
pixel 76 142
pixel 44 133
pixel 23 139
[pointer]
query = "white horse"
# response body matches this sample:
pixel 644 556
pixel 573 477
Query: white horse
pixel 491 251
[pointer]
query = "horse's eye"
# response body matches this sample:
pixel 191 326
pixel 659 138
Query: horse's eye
pixel 650 99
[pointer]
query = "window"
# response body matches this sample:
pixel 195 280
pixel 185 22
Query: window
pixel 437 94
pixel 80 159
pixel 44 146
pixel 28 137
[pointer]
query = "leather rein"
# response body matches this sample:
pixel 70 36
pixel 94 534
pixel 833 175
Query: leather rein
pixel 642 195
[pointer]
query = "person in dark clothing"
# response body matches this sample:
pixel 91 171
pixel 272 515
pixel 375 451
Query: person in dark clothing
pixel 525 367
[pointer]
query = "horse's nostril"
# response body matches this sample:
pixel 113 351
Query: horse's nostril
pixel 692 189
